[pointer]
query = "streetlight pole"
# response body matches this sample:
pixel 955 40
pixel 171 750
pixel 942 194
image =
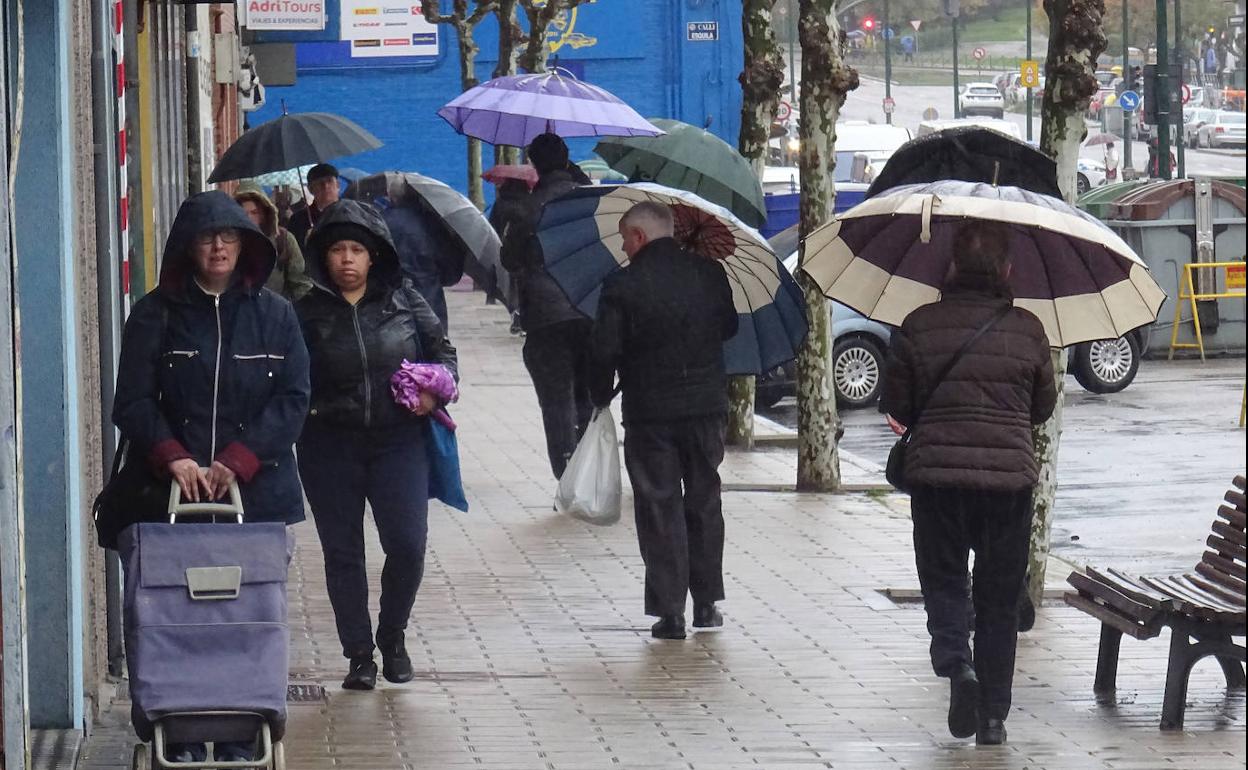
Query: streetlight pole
pixel 1180 130
pixel 1029 90
pixel 1161 92
pixel 888 65
pixel 1128 83
pixel 792 47
pixel 957 107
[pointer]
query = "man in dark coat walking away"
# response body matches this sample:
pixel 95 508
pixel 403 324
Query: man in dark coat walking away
pixel 662 322
pixel 556 345
pixel 325 188
pixel 972 468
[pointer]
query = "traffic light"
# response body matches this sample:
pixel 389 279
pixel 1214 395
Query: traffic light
pixel 868 24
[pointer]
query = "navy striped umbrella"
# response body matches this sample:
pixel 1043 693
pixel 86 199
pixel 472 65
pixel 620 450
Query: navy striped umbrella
pixel 581 243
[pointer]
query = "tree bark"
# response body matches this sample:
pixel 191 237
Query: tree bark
pixel 1076 38
pixel 537 48
pixel 464 23
pixel 826 81
pixel 510 37
pixel 761 79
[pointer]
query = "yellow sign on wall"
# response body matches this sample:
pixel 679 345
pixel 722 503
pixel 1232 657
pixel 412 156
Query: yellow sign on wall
pixel 1235 277
pixel 1029 70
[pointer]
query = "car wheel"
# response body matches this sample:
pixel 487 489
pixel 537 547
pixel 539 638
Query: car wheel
pixel 1082 185
pixel 1106 366
pixel 857 371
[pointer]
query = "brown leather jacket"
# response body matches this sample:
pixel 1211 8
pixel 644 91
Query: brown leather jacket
pixel 976 430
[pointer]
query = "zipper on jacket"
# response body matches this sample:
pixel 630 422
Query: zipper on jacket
pixel 216 378
pixel 368 387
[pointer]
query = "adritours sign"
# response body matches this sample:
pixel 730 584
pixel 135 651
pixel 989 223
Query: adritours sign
pixel 283 15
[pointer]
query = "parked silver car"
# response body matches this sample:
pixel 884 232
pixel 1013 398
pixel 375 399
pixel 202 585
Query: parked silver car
pixel 857 354
pixel 981 99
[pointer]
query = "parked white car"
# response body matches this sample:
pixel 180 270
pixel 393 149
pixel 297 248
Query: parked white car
pixel 1088 174
pixel 1194 118
pixel 1225 129
pixel 981 99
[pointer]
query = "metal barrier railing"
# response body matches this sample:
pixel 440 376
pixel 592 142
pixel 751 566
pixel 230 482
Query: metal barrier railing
pixel 1233 287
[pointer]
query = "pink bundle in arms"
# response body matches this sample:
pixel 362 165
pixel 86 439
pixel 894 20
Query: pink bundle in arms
pixel 411 380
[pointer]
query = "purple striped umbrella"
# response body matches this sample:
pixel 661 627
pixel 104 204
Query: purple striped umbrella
pixel 890 254
pixel 512 110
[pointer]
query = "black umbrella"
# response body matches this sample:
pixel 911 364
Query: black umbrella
pixel 462 221
pixel 292 141
pixel 969 154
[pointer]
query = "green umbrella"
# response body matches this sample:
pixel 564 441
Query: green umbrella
pixel 597 168
pixel 689 158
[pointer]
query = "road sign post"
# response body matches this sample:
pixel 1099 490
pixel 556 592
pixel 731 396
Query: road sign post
pixel 1032 62
pixel 888 64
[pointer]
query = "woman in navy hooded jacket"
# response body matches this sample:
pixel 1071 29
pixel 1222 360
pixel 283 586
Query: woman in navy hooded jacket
pixel 361 320
pixel 212 386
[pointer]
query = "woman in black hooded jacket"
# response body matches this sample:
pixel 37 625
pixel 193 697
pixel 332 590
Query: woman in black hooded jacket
pixel 361 320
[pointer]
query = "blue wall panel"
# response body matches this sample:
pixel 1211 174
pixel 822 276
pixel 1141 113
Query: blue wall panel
pixel 637 49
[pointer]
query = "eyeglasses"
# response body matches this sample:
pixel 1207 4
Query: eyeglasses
pixel 226 234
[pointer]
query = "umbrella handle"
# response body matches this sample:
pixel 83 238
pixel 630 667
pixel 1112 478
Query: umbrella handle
pixel 925 234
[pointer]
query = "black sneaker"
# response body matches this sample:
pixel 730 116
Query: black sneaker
pixel 963 702
pixel 991 732
pixel 707 616
pixel 362 674
pixel 669 627
pixel 396 666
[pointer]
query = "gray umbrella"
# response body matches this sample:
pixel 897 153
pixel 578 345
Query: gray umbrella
pixel 292 141
pixel 463 221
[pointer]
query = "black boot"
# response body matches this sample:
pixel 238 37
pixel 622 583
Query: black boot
pixel 707 616
pixel 669 627
pixel 963 702
pixel 991 732
pixel 396 666
pixel 362 674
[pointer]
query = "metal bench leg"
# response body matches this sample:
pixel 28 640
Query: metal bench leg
pixel 1178 671
pixel 1107 661
pixel 1232 668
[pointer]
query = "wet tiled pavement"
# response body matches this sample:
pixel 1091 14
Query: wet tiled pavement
pixel 532 650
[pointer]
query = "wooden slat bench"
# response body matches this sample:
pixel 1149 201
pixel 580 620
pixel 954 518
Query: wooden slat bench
pixel 1204 610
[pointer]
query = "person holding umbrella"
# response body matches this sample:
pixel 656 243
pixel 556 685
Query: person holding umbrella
pixel 325 188
pixel 363 322
pixel 288 278
pixel 970 375
pixel 556 346
pixel 662 322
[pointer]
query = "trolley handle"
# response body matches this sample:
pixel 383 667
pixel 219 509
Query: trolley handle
pixel 178 508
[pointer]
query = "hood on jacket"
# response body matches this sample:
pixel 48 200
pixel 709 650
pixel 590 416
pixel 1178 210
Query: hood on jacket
pixel 351 219
pixel 214 210
pixel 250 191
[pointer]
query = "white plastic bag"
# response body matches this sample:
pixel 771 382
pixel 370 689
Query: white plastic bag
pixel 590 487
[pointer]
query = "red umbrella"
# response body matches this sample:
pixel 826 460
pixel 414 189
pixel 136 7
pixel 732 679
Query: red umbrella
pixel 499 174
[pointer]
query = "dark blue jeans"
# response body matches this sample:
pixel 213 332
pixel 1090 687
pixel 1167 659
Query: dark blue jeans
pixel 388 468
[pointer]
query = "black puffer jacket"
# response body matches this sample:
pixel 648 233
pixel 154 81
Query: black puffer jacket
pixel 221 379
pixel 356 349
pixel 662 322
pixel 542 302
pixel 976 430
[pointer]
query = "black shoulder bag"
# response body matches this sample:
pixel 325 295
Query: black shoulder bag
pixel 132 493
pixel 895 471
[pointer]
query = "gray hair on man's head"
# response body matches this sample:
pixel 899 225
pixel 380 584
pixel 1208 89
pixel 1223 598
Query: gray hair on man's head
pixel 655 219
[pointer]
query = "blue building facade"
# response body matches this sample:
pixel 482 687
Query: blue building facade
pixel 666 58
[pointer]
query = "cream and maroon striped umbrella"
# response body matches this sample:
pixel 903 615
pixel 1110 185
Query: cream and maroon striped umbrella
pixel 890 254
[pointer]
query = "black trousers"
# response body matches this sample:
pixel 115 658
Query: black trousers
pixel 557 357
pixel 948 524
pixel 674 470
pixel 390 469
